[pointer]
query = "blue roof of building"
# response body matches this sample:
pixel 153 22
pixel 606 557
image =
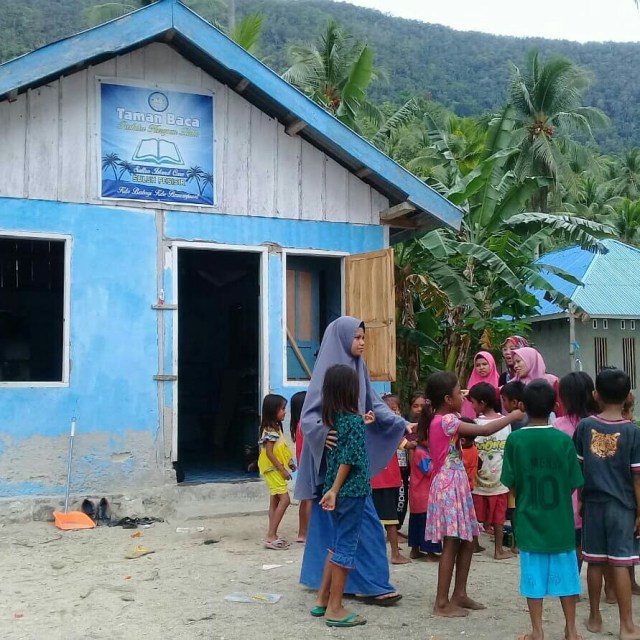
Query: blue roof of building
pixel 610 280
pixel 169 21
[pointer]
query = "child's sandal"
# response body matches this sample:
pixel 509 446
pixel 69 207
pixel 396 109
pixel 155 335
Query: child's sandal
pixel 276 545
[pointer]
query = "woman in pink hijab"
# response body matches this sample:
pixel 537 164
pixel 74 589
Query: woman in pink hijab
pixel 484 370
pixel 529 365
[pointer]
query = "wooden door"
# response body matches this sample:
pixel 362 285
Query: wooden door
pixel 370 296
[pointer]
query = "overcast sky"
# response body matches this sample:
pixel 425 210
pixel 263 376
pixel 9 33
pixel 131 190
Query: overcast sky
pixel 581 20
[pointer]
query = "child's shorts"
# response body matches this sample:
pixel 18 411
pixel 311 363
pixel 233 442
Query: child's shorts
pixel 417 526
pixel 549 574
pixel 491 509
pixel 386 503
pixel 347 522
pixel 608 534
pixel 276 483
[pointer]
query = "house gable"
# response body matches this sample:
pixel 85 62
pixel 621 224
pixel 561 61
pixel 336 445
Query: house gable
pixel 52 139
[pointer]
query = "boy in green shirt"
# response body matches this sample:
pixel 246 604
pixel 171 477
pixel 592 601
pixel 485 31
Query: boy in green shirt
pixel 541 470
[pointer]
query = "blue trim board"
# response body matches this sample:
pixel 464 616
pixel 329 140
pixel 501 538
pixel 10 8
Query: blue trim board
pixel 151 23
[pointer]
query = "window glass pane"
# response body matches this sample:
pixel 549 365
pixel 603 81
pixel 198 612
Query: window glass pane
pixel 304 299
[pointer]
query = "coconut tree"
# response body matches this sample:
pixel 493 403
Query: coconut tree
pixel 625 219
pixel 335 72
pixel 111 161
pixel 547 97
pixel 487 269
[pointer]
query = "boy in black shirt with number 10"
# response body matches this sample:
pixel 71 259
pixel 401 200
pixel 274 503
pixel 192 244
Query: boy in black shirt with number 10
pixel 608 446
pixel 541 469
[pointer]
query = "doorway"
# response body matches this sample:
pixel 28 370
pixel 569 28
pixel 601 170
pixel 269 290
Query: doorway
pixel 218 364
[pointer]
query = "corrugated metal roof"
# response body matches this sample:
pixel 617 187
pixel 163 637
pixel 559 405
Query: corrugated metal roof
pixel 611 281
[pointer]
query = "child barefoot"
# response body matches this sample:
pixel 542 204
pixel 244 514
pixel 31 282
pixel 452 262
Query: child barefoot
pixel 609 448
pixel 451 518
pixel 275 462
pixel 542 472
pixel 346 486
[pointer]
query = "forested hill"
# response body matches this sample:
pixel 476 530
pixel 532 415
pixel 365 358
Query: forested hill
pixel 466 71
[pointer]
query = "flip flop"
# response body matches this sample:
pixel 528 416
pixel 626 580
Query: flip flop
pixel 138 552
pixel 352 620
pixel 379 601
pixel 276 545
pixel 318 612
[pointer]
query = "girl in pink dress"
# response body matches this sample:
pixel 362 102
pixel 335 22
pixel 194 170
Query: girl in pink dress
pixel 451 518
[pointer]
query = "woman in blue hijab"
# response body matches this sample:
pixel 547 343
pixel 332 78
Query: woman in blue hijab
pixel 370 577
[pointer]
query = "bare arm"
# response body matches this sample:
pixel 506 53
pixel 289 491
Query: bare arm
pixel 328 502
pixel 468 429
pixel 268 446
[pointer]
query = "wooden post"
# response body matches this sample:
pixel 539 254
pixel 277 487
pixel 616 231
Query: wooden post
pixel 296 350
pixel 572 335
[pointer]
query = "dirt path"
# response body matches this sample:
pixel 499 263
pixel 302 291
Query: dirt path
pixel 79 585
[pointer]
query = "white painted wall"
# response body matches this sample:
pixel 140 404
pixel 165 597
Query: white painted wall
pixel 51 149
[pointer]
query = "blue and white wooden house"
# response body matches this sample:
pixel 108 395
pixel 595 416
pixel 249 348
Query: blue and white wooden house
pixel 177 227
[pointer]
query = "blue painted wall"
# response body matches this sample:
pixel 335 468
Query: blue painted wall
pixel 113 341
pixel 114 347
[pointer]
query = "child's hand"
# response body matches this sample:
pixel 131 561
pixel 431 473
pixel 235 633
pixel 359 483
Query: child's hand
pixel 331 440
pixel 464 393
pixel 328 502
pixel 410 445
pixel 292 465
pixel 284 473
pixel 517 415
pixel 412 427
pixel 369 417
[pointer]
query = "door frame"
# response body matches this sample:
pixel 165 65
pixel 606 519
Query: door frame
pixel 263 320
pixel 311 253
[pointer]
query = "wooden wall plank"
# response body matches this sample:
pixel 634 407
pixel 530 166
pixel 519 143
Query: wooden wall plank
pixel 158 65
pixel 337 190
pixel 236 165
pixel 359 196
pixel 288 150
pixel 73 164
pixel 262 164
pixel 378 204
pixel 43 142
pixel 131 65
pixel 312 183
pixel 13 125
pixel 220 107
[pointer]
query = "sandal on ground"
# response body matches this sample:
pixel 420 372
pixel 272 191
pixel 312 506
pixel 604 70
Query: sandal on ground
pixel 318 612
pixel 380 601
pixel 352 620
pixel 276 545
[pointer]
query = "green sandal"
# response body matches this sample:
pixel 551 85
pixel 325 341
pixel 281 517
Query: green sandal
pixel 318 612
pixel 352 620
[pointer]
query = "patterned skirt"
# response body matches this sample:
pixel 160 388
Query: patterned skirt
pixel 451 513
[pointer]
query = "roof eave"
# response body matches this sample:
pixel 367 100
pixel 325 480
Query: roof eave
pixel 168 20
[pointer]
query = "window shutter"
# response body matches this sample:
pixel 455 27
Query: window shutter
pixel 370 296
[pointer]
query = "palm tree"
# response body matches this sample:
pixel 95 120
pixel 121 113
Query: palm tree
pixel 626 174
pixel 195 173
pixel 125 167
pixel 335 72
pixel 626 221
pixel 548 101
pixel 111 10
pixel 207 179
pixel 486 270
pixel 111 161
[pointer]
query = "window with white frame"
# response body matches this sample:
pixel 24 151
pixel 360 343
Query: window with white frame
pixel 595 324
pixel 32 309
pixel 632 325
pixel 313 300
pixel 605 324
pixel 623 325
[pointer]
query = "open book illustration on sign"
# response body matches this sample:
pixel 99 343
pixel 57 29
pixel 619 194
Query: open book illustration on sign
pixel 158 151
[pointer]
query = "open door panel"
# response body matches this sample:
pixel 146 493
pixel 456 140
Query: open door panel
pixel 370 296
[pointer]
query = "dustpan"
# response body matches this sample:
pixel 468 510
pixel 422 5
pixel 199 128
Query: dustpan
pixel 71 520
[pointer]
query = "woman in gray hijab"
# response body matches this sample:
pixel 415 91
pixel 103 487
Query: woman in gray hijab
pixel 370 577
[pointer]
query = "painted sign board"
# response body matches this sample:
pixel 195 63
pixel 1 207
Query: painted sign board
pixel 156 144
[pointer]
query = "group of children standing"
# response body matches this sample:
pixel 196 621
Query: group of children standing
pixel 539 468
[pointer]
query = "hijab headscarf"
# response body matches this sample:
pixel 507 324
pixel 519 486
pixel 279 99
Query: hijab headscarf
pixel 536 365
pixel 491 378
pixel 383 436
pixel 518 343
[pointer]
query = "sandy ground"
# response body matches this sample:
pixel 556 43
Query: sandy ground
pixel 78 585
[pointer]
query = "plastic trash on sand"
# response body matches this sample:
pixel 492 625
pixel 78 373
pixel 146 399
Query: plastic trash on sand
pixel 253 598
pixel 267 567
